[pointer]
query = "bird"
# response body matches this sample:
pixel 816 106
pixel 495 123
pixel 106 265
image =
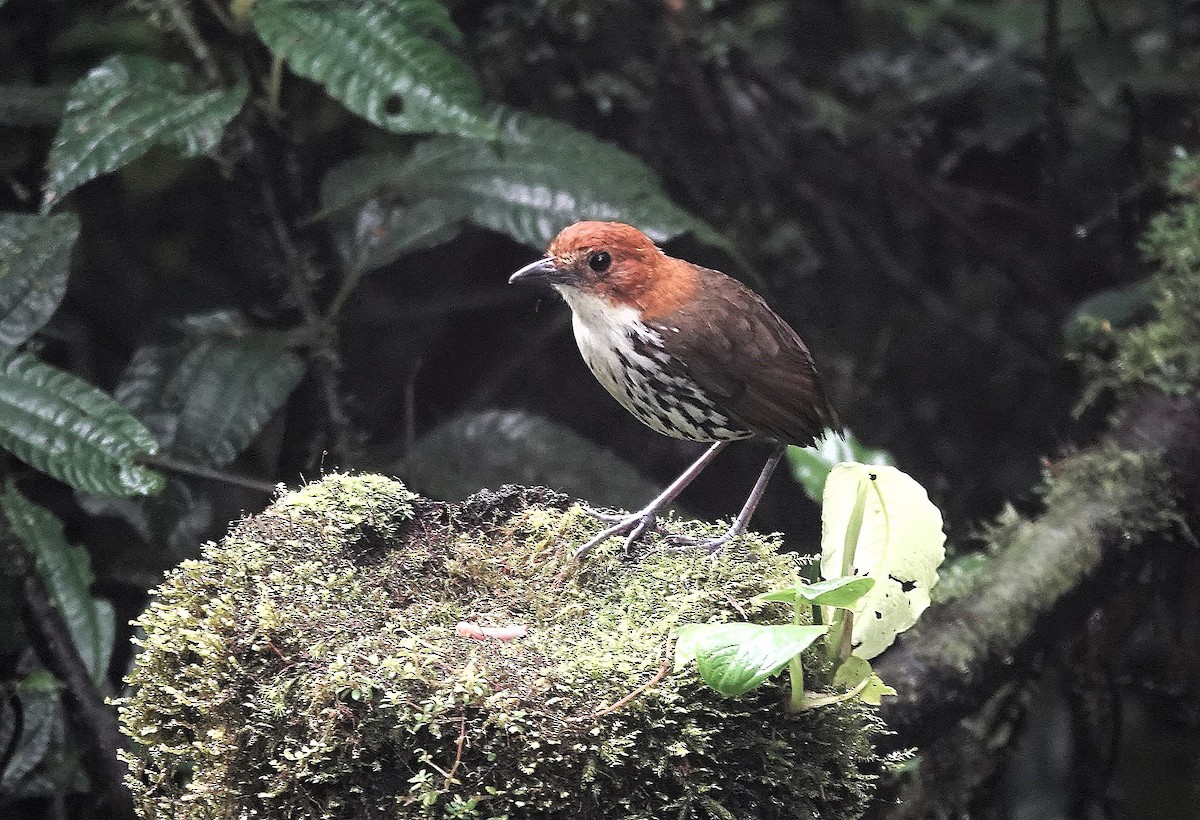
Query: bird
pixel 689 351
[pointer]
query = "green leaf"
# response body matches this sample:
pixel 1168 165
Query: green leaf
pixel 811 465
pixel 873 693
pixel 128 105
pixel 207 396
pixel 899 545
pixel 380 59
pixel 1108 310
pixel 66 572
pixel 35 254
pixel 853 671
pixel 65 427
pixel 39 710
pixel 539 177
pixel 838 592
pixel 735 658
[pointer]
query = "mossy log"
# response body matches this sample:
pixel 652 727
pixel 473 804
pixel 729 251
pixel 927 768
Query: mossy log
pixel 310 666
pixel 1098 503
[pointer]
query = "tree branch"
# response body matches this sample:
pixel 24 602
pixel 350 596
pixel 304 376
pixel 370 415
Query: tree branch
pixel 1101 501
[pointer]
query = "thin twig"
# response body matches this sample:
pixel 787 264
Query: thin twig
pixel 183 23
pixel 462 739
pixel 299 272
pixel 662 673
pixel 200 471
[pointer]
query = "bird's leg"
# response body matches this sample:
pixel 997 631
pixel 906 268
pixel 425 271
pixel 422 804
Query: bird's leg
pixel 637 524
pixel 743 520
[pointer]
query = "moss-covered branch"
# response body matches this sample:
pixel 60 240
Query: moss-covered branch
pixel 1098 504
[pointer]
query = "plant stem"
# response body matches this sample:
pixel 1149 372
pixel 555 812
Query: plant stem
pixel 833 640
pixel 796 668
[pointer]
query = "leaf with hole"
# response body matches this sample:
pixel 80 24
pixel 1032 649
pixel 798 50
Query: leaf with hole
pixel 383 59
pixel 537 178
pixel 126 106
pixel 63 426
pixel 66 571
pixel 735 658
pixel 898 542
pixel 35 254
pixel 207 395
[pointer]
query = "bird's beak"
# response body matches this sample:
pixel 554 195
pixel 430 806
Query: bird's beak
pixel 541 272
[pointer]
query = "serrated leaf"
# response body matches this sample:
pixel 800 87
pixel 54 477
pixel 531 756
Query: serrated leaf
pixel 811 465
pixel 66 572
pixel 735 658
pixel 899 544
pixel 836 592
pixel 380 60
pixel 128 105
pixel 537 178
pixel 35 254
pixel 208 395
pixel 65 427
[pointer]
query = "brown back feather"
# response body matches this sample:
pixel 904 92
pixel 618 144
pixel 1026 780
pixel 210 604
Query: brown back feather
pixel 750 361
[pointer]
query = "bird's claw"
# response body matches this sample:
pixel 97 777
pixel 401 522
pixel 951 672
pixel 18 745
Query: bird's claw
pixel 634 527
pixel 681 543
pixel 606 517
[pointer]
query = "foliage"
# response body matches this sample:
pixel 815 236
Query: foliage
pixel 1162 354
pixel 126 106
pixel 931 192
pixel 39 759
pixel 198 391
pixel 337 604
pixel 881 546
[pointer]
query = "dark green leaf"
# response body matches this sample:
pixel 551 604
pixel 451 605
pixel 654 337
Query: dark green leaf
pixel 380 59
pixel 173 523
pixel 1109 310
pixel 35 254
pixel 38 712
pixel 735 658
pixel 66 572
pixel 538 178
pixel 811 465
pixel 69 429
pixel 838 592
pixel 128 105
pixel 207 396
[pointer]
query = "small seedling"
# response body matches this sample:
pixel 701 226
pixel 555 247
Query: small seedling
pixel 881 545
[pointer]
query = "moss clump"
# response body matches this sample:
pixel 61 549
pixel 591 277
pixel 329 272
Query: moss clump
pixel 1163 354
pixel 308 666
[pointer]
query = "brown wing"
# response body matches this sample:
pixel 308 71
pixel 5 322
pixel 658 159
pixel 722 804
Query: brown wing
pixel 749 361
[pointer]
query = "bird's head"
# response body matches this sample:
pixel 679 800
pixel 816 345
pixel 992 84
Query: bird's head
pixel 612 262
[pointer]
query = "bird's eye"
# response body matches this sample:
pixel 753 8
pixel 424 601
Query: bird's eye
pixel 599 261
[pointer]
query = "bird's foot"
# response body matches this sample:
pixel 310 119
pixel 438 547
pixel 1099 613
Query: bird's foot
pixel 606 517
pixel 633 526
pixel 681 543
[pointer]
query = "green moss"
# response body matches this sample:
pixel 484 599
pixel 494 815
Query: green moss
pixel 1163 354
pixel 308 666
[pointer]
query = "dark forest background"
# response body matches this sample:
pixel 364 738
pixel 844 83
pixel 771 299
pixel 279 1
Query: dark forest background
pixel 281 272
